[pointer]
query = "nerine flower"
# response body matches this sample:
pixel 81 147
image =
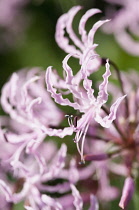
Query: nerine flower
pixel 122 136
pixel 12 20
pixel 84 48
pixel 84 101
pixel 31 112
pixel 25 99
pixel 34 175
pixel 124 25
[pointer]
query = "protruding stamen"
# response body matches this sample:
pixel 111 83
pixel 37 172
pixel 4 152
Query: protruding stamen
pixel 70 119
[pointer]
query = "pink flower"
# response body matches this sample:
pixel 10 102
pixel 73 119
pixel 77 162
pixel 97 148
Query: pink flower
pixel 124 25
pixel 83 49
pixel 25 99
pixel 85 101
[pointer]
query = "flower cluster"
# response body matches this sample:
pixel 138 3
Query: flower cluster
pixel 124 24
pixel 32 168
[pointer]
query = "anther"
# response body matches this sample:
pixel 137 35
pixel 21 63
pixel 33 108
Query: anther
pixel 82 162
pixel 74 140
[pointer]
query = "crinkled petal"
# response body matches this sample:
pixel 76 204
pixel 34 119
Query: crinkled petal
pixel 106 121
pixel 62 41
pixel 50 202
pixel 103 95
pixel 58 96
pixel 83 21
pixel 78 203
pixel 59 132
pixel 93 203
pixel 59 163
pixel 71 80
pixel 6 191
pixel 72 12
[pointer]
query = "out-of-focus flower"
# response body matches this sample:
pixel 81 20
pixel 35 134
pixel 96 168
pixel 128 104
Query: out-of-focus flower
pixel 83 49
pixel 120 141
pixel 31 112
pixel 25 98
pixel 12 21
pixel 35 172
pixel 85 101
pixel 124 25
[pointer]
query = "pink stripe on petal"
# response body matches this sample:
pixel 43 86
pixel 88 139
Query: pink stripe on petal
pixel 83 21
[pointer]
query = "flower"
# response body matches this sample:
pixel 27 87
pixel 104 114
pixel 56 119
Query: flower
pixel 85 101
pixel 25 99
pixel 34 174
pixel 12 21
pixel 124 25
pixel 83 49
pixel 120 142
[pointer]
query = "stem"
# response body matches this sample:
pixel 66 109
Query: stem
pixel 120 82
pixel 114 123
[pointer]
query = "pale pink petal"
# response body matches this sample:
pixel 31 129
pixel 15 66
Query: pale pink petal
pixel 6 191
pixel 94 203
pixel 62 41
pixel 50 202
pixel 72 12
pixel 93 31
pixel 127 193
pixel 58 96
pixel 78 203
pixel 103 95
pixel 106 121
pixel 83 21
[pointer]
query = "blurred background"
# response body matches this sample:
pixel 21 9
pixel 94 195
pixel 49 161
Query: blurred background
pixel 27 31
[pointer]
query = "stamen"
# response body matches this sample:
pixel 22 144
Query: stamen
pixel 70 120
pixel 82 162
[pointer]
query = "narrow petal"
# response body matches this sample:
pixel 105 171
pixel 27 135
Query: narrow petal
pixel 50 202
pixel 78 203
pixel 94 29
pixel 71 80
pixel 71 14
pixel 103 95
pixel 83 21
pixel 62 41
pixel 106 121
pixel 93 203
pixel 58 96
pixel 127 193
pixel 6 191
